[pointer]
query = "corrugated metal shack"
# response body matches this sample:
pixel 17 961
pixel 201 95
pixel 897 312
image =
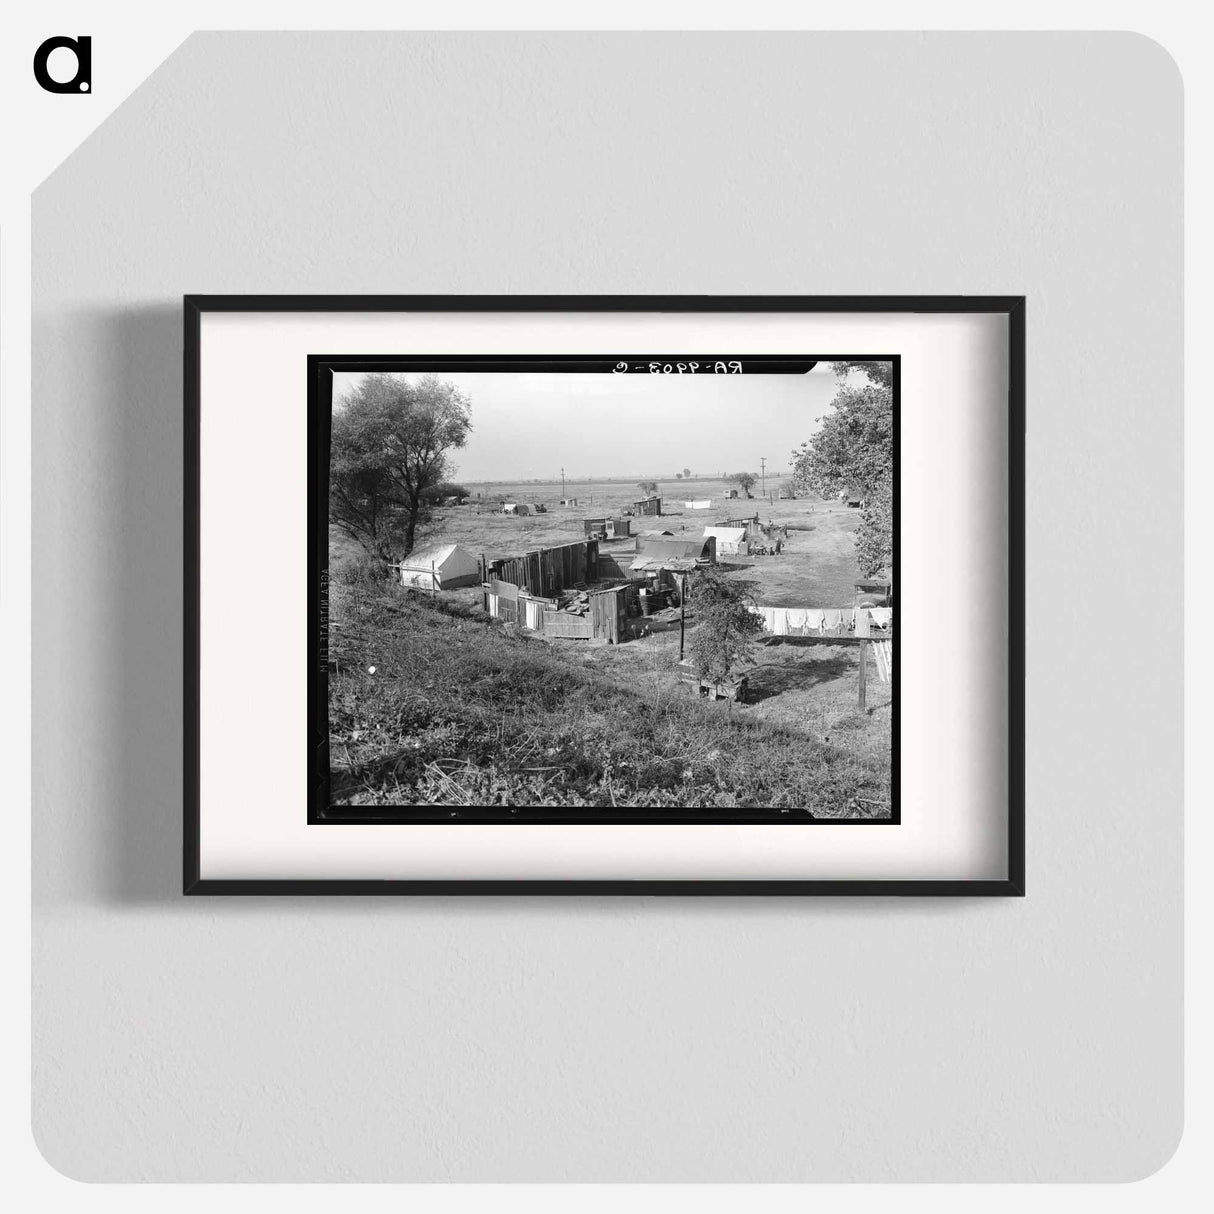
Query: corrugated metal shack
pixel 754 530
pixel 648 505
pixel 546 571
pixel 698 548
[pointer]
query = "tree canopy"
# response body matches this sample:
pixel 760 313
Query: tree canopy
pixel 879 373
pixel 389 447
pixel 744 481
pixel 647 486
pixel 853 453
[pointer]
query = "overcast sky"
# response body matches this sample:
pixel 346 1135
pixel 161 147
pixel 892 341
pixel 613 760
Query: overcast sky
pixel 527 426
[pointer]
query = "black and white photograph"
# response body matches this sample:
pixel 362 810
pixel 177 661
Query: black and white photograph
pixel 629 588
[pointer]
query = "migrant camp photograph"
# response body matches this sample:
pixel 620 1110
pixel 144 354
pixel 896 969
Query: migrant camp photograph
pixel 615 595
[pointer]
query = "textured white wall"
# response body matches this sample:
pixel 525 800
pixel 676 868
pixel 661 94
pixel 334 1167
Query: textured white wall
pixel 616 1039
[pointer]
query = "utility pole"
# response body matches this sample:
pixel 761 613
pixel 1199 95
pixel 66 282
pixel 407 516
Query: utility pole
pixel 763 474
pixel 562 482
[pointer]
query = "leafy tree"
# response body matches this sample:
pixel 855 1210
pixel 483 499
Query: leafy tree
pixel 879 373
pixel 687 472
pixel 390 442
pixel 650 487
pixel 744 481
pixel 853 452
pixel 678 476
pixel 725 628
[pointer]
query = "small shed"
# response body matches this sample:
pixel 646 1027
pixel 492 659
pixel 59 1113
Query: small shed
pixel 604 620
pixel 569 501
pixel 648 505
pixel 731 541
pixel 607 528
pixel 439 567
pixel 731 493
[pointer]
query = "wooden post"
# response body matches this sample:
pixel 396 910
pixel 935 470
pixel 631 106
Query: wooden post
pixel 863 631
pixel 433 580
pixel 682 615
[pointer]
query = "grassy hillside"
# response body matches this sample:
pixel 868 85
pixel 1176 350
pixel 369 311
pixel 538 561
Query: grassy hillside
pixel 460 711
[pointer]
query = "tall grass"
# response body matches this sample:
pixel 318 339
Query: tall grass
pixel 459 711
pixel 361 569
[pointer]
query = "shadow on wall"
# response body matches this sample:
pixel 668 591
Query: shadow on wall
pixel 107 605
pixel 145 859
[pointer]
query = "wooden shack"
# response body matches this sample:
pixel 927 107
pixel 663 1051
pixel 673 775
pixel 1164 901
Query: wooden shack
pixel 546 571
pixel 648 505
pixel 605 621
pixel 607 528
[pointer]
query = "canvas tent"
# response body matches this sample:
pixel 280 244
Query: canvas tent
pixel 439 567
pixel 730 540
pixel 517 508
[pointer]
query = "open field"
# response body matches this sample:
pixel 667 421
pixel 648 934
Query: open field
pixel 816 569
pixel 461 711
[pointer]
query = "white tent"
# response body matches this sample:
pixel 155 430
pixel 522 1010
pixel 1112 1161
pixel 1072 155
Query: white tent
pixel 439 567
pixel 729 539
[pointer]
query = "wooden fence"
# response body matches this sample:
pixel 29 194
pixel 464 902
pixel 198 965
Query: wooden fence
pixel 546 571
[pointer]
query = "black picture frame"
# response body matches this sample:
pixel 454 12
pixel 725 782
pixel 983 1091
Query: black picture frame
pixel 195 306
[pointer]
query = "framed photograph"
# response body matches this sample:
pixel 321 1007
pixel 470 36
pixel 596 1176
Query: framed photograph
pixel 622 594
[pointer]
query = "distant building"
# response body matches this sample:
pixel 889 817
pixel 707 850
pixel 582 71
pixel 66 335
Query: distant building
pixel 603 527
pixel 648 505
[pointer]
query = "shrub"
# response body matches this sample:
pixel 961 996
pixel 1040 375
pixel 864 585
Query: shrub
pixel 362 570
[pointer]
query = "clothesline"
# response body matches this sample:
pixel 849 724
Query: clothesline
pixel 817 621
